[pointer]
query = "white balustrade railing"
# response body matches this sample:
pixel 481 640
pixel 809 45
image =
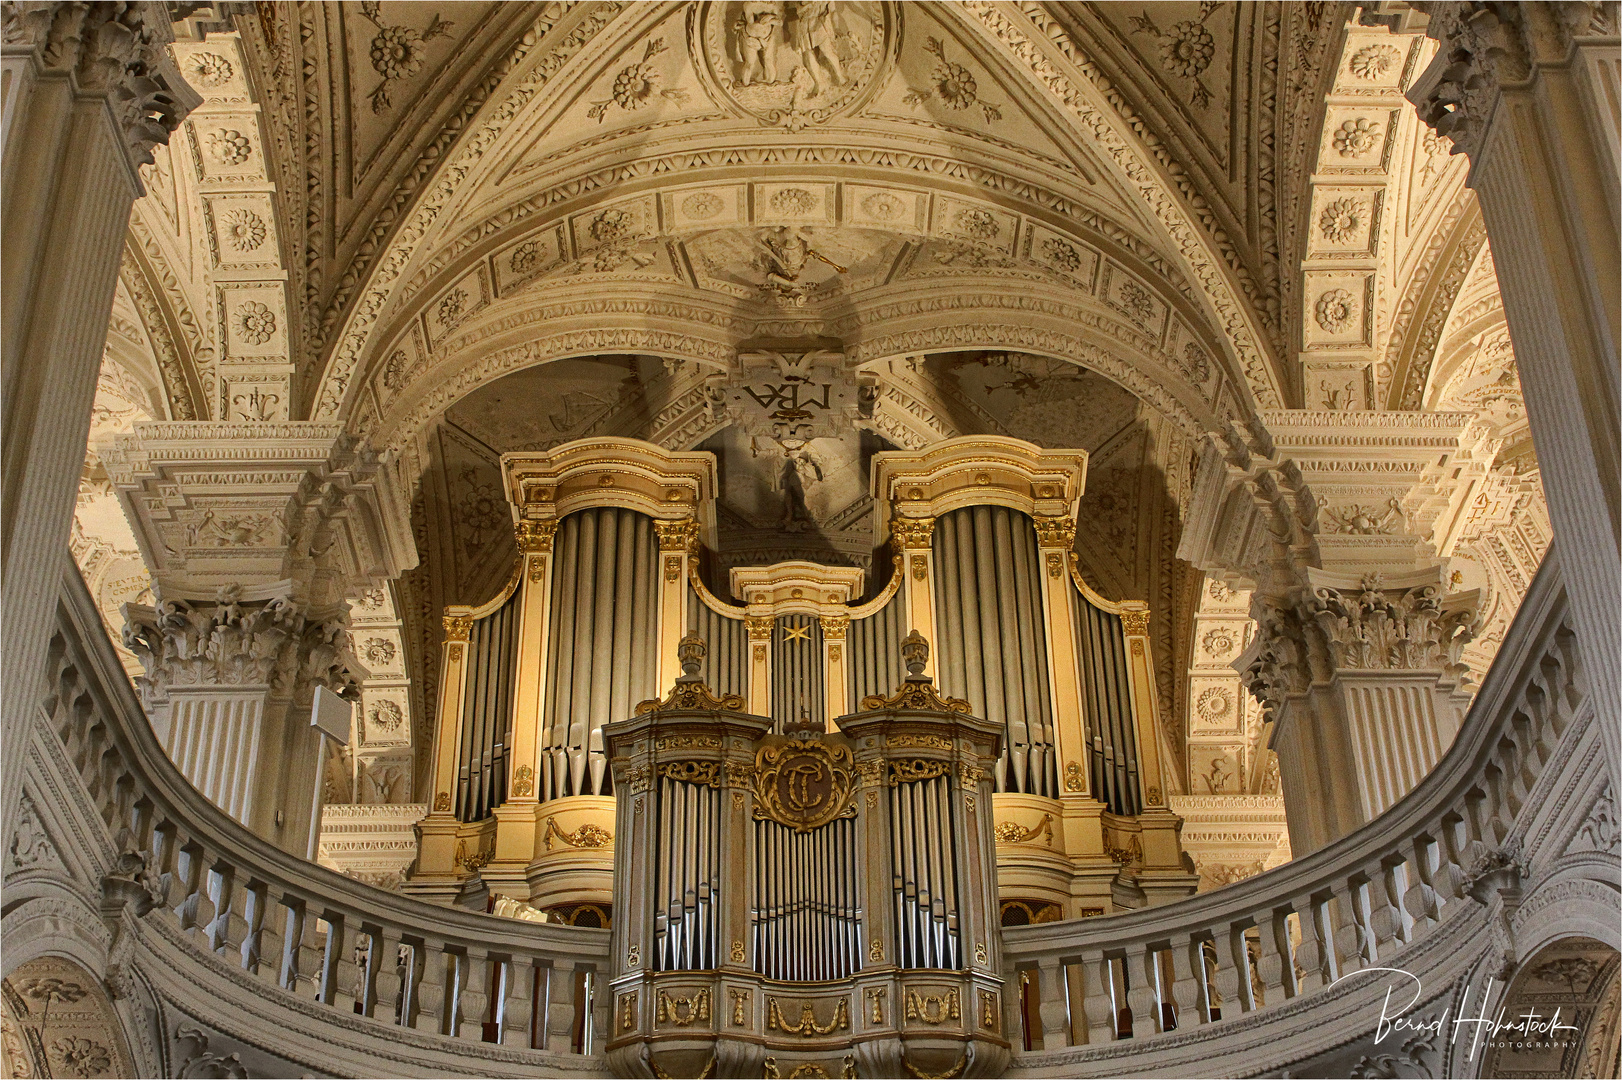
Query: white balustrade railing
pixel 1370 899
pixel 1094 996
pixel 198 878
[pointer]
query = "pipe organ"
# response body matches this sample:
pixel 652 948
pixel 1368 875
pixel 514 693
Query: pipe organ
pixel 790 901
pixel 975 539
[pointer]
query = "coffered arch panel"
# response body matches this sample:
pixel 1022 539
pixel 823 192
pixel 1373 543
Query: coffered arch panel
pixel 1003 142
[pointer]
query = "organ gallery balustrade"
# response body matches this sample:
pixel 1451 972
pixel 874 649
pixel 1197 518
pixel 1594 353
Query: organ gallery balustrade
pixel 1502 848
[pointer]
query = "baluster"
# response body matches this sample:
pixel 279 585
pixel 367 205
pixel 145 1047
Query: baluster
pixel 1138 966
pixel 191 878
pixel 560 1007
pixel 1452 855
pixel 204 911
pixel 431 989
pixel 1388 890
pixel 292 959
pixel 472 994
pixel 1223 976
pixel 342 987
pixel 387 975
pixel 1188 983
pixel 518 1004
pixel 310 950
pixel 602 1009
pixel 163 852
pixel 253 917
pixel 1318 932
pixel 1350 931
pixel 1420 900
pixel 229 928
pixel 1054 1010
pixel 1274 967
pixel 270 946
pixel 1099 1004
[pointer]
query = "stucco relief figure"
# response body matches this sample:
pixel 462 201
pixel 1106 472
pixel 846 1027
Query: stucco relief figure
pixel 755 37
pixel 788 250
pixel 818 34
pixel 794 63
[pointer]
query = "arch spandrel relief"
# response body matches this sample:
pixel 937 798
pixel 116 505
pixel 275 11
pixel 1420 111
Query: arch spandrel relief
pixel 797 63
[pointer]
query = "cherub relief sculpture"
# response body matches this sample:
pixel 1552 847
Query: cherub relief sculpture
pixel 755 36
pixel 816 32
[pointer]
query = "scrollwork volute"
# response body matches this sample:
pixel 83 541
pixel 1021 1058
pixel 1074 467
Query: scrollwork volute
pixel 689 692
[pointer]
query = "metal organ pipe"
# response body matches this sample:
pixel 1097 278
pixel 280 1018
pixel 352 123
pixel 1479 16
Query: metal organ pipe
pixel 993 641
pixel 487 713
pixel 1113 735
pixel 874 652
pixel 602 642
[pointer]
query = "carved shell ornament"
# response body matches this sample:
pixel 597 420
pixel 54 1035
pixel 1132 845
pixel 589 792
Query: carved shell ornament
pixel 794 63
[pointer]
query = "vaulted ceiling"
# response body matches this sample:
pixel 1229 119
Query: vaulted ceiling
pixel 464 229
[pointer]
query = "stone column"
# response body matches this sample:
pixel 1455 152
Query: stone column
pixel 1361 681
pixel 254 534
pixel 89 88
pixel 1527 90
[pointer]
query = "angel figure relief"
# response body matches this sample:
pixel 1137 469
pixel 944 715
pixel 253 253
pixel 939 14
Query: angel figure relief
pixel 787 252
pixel 813 35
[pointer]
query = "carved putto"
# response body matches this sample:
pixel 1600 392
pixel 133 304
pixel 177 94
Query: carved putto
pixel 791 63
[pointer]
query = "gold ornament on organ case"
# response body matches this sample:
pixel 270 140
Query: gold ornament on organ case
pixel 803 783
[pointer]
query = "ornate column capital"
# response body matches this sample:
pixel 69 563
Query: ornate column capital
pixel 535 537
pixel 1336 625
pixel 678 535
pixel 1055 531
pixel 912 532
pixel 1373 626
pixel 288 508
pixel 1487 47
pixel 231 643
pixel 119 49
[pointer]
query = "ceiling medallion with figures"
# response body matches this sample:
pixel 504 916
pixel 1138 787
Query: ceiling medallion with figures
pixel 791 63
pixel 803 783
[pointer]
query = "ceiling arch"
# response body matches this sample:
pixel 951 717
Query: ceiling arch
pixel 1093 178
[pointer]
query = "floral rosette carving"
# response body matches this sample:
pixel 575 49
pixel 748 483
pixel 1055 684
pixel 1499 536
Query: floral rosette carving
pixel 397 52
pixel 637 85
pixel 952 84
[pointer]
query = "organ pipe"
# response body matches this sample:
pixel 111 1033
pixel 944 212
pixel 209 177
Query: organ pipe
pixel 487 713
pixel 875 652
pixel 1112 734
pixel 798 680
pixel 726 665
pixel 602 645
pixel 993 643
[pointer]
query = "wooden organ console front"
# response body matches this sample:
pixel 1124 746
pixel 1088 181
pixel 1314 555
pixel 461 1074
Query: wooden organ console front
pixel 977 535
